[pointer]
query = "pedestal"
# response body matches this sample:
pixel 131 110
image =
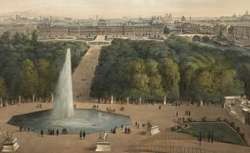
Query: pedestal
pixel 154 130
pixel 103 146
pixel 10 146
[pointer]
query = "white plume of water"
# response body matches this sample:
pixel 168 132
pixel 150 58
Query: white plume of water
pixel 63 102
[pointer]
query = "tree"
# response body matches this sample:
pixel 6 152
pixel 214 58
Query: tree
pixel 151 67
pixel 17 38
pixel 244 73
pixel 44 58
pixel 205 38
pixel 170 78
pixel 166 30
pixel 139 79
pixel 196 38
pixel 155 81
pixel 140 84
pixel 136 66
pixel 202 84
pixel 2 88
pixel 228 83
pixel 11 72
pixel 44 77
pixel 29 79
pixel 177 68
pixel 156 91
pixel 208 78
pixel 5 38
pixel 34 38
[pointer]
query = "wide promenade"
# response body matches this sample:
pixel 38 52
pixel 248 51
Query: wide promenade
pixel 135 142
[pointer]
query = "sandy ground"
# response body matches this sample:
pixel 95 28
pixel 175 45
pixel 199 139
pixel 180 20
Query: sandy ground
pixel 85 72
pixel 166 141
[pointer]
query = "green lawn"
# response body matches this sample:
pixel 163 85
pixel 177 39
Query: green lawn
pixel 222 132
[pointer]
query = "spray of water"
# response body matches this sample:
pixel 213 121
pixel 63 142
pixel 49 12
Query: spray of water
pixel 63 102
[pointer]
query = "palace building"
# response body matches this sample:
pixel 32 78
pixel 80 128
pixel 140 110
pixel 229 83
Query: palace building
pixel 112 31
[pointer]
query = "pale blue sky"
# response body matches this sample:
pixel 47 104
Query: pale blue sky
pixel 119 8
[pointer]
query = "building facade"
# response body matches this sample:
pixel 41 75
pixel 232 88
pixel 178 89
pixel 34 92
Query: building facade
pixel 61 31
pixel 195 28
pixel 239 33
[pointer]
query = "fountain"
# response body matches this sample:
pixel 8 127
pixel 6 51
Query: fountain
pixel 63 103
pixel 63 115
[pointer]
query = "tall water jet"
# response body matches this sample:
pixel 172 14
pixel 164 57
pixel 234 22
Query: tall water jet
pixel 63 101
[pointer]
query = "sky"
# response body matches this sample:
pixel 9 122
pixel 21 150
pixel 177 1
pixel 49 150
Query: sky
pixel 128 8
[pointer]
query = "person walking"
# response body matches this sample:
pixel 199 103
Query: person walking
pixel 81 134
pixel 84 134
pixel 57 132
pixel 41 133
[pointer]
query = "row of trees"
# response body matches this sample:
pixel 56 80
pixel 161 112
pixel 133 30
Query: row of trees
pixel 29 67
pixel 206 73
pixel 177 69
pixel 136 69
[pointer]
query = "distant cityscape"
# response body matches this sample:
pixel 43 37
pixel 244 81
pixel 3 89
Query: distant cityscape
pixel 235 28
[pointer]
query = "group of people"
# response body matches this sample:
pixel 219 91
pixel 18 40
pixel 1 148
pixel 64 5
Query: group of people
pixel 209 136
pixel 54 132
pixel 39 106
pixel 21 129
pixel 138 125
pixel 95 107
pixel 127 130
pixel 82 134
pixel 109 109
pixel 188 113
pixel 64 131
pixel 7 103
pixel 113 130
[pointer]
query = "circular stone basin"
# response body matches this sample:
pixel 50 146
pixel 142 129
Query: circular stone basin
pixel 89 120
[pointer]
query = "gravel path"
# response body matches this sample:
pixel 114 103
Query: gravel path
pixel 84 73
